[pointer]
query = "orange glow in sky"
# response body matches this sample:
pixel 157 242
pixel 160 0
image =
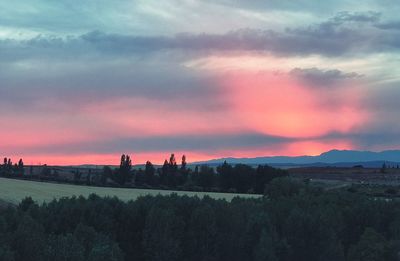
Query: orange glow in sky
pixel 276 104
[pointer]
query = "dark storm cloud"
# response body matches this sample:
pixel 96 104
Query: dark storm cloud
pixel 393 25
pixel 77 88
pixel 369 138
pixel 166 143
pixel 323 78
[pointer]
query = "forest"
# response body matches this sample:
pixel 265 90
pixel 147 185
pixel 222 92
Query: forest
pixel 293 221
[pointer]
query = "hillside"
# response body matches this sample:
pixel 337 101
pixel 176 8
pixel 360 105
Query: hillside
pixel 343 158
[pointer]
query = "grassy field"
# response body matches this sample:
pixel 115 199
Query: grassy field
pixel 13 191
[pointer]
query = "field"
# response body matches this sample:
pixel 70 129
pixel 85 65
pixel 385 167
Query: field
pixel 13 191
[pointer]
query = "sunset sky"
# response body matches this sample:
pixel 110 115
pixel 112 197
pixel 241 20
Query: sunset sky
pixel 85 81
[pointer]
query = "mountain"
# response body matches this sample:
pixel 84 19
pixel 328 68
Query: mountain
pixel 329 158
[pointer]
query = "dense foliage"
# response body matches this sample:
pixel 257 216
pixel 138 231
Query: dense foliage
pixel 293 222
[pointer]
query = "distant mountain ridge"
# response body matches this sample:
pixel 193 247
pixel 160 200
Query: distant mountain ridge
pixel 332 157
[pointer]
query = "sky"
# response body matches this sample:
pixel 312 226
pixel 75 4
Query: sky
pixel 85 81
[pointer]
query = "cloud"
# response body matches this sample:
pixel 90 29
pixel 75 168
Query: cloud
pixel 392 25
pixel 359 17
pixel 335 37
pixel 344 34
pixel 381 130
pixel 324 7
pixel 323 78
pixel 62 17
pixel 367 138
pixel 170 143
pixel 81 82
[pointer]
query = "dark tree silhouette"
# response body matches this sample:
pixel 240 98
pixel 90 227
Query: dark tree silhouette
pixel 172 162
pixel 123 174
pixel 106 174
pixel 183 164
pixel 149 173
pixel 21 169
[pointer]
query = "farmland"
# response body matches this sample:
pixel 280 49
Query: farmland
pixel 14 190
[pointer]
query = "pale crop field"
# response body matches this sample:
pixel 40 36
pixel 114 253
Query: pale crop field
pixel 13 191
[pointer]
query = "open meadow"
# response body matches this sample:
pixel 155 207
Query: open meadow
pixel 13 191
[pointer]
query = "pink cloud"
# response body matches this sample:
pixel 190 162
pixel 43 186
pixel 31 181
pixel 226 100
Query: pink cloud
pixel 277 104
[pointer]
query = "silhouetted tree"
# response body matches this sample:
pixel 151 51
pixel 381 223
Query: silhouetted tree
pixel 183 164
pixel 4 167
pixel 172 160
pixel 172 172
pixel 184 171
pixel 164 173
pixel 21 169
pixel 149 173
pixel 225 172
pixel 123 174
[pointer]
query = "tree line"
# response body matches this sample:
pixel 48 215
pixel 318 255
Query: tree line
pixel 239 178
pixel 8 168
pixel 292 222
